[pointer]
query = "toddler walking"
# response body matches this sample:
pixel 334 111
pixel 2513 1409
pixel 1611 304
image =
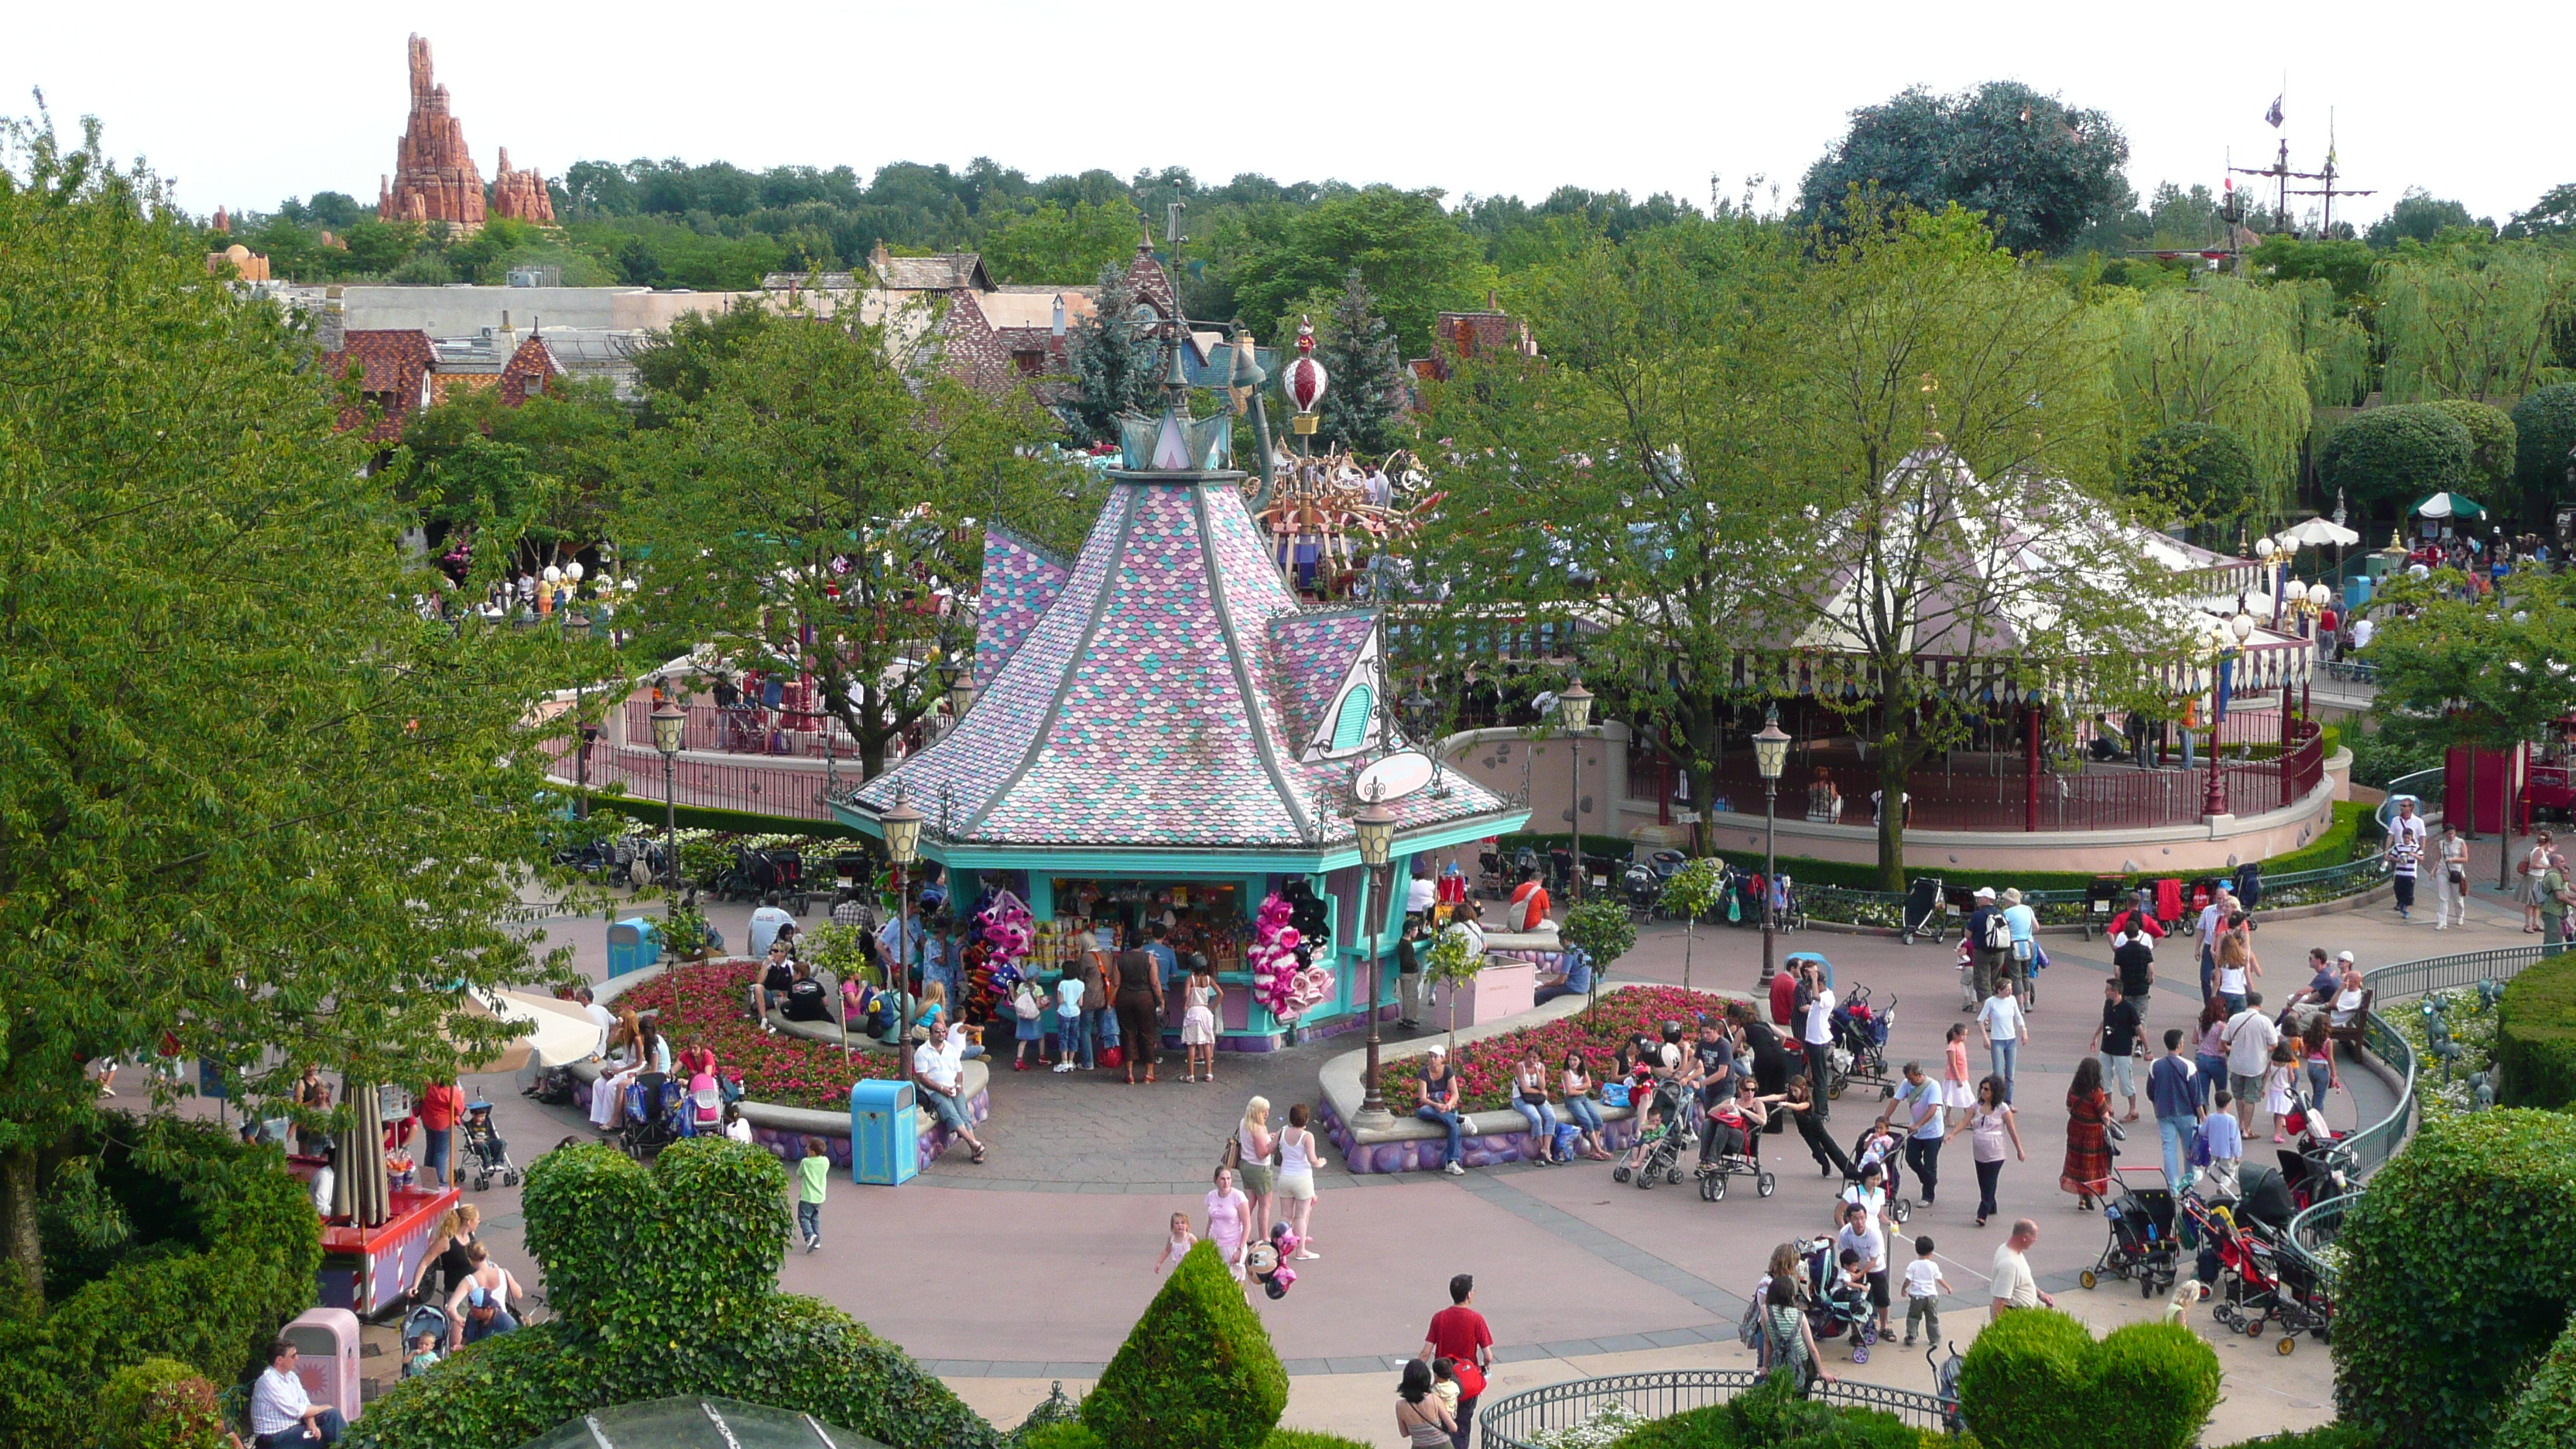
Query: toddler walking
pixel 1924 1286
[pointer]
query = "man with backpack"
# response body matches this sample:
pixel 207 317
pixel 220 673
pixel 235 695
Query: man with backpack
pixel 1989 940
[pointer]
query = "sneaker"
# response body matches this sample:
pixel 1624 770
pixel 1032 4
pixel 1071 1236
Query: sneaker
pixel 1909 1343
pixel 1063 1066
pixel 1453 1169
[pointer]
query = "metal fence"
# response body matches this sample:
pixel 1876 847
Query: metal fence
pixel 2373 1145
pixel 1854 906
pixel 1519 1420
pixel 782 792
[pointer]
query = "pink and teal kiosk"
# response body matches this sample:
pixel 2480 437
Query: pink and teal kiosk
pixel 1162 731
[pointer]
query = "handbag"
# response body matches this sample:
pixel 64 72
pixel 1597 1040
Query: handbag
pixel 1232 1156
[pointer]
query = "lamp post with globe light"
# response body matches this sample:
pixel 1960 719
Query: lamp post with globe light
pixel 1375 826
pixel 902 826
pixel 1574 706
pixel 1770 757
pixel 668 722
pixel 2227 638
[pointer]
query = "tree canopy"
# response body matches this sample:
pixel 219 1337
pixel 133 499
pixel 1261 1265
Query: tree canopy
pixel 248 798
pixel 2042 170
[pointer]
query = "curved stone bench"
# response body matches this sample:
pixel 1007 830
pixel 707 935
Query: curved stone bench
pixel 783 1129
pixel 1409 1144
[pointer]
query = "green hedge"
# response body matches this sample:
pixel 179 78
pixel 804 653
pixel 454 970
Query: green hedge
pixel 2491 446
pixel 2544 1415
pixel 2037 1379
pixel 2457 1267
pixel 2328 1436
pixel 1771 1416
pixel 224 1249
pixel 692 817
pixel 1196 1372
pixel 1078 1436
pixel 2536 1035
pixel 663 1280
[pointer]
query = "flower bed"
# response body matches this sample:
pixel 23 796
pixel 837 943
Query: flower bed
pixel 704 1006
pixel 1485 1067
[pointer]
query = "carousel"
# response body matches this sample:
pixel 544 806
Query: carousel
pixel 1162 733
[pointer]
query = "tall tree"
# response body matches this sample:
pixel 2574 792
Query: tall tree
pixel 2042 171
pixel 1944 494
pixel 1367 371
pixel 1058 244
pixel 2479 674
pixel 809 513
pixel 1415 258
pixel 1609 478
pixel 2225 353
pixel 2474 321
pixel 1117 363
pixel 248 798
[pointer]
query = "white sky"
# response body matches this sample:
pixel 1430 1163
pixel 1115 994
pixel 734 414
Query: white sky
pixel 246 105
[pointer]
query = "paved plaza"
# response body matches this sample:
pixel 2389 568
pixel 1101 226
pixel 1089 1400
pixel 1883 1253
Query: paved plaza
pixel 1030 1269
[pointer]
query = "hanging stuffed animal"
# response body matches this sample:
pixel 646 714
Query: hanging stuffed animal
pixel 1272 957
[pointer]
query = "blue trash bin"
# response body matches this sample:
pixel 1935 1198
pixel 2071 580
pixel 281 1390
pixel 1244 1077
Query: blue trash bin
pixel 885 1133
pixel 633 944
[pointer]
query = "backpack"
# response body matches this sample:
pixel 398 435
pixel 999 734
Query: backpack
pixel 1025 1004
pixel 1998 932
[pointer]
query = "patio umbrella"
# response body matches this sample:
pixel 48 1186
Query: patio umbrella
pixel 2318 533
pixel 550 1032
pixel 2448 505
pixel 359 1191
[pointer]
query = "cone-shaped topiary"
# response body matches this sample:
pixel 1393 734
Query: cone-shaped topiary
pixel 1196 1372
pixel 2036 1379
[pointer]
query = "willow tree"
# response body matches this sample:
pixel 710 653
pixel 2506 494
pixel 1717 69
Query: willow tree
pixel 1616 478
pixel 817 509
pixel 1942 530
pixel 2224 353
pixel 2473 321
pixel 254 811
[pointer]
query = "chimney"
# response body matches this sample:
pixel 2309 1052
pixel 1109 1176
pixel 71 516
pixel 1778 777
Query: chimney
pixel 1057 327
pixel 877 259
pixel 1492 304
pixel 331 325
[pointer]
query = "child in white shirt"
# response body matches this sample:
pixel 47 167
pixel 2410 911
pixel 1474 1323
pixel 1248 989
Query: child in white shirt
pixel 1178 1245
pixel 1924 1286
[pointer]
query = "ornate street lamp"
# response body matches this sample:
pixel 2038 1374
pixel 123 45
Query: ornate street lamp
pixel 1574 706
pixel 668 722
pixel 960 680
pixel 902 826
pixel 1770 756
pixel 1376 828
pixel 576 627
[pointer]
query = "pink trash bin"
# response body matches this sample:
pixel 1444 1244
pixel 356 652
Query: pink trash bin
pixel 326 1357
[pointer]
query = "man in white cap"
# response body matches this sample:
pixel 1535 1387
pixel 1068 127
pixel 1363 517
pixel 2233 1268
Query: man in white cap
pixel 1438 1100
pixel 1989 939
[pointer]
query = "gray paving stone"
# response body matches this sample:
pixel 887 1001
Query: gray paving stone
pixel 1571 1347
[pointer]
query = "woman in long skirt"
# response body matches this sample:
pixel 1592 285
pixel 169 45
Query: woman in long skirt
pixel 2087 1173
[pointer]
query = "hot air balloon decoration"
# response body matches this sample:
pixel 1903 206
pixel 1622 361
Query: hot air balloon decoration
pixel 1305 381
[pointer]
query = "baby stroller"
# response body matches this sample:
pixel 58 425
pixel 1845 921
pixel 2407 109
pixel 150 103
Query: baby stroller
pixel 652 1116
pixel 1643 890
pixel 1738 1155
pixel 1945 1384
pixel 702 1113
pixel 1922 909
pixel 1860 1045
pixel 2254 1293
pixel 1835 1307
pixel 491 1154
pixel 2143 1243
pixel 429 1318
pixel 1885 1149
pixel 1661 1153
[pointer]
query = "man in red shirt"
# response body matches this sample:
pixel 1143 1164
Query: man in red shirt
pixel 1529 901
pixel 1784 996
pixel 441 1103
pixel 1458 1333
